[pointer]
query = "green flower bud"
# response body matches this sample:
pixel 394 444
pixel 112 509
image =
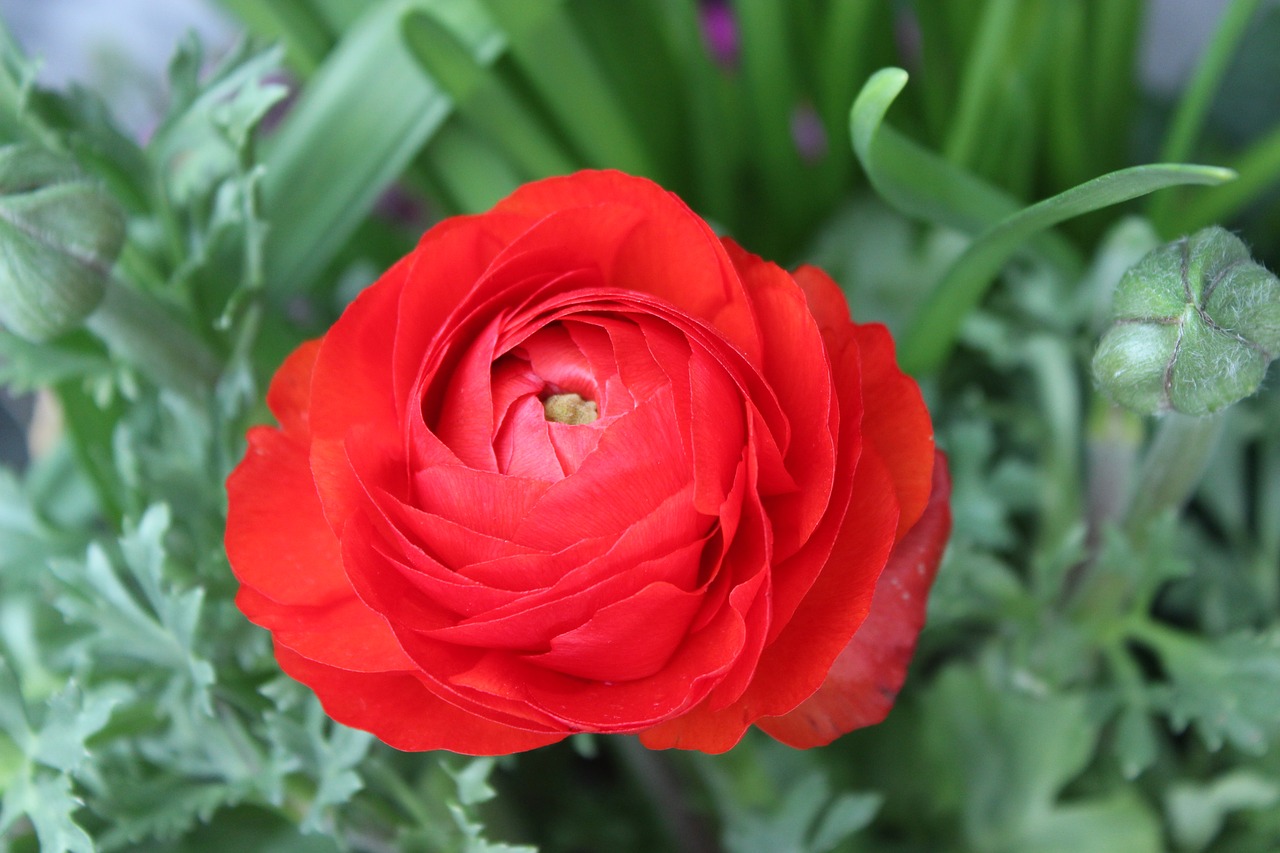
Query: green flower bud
pixel 59 237
pixel 1194 325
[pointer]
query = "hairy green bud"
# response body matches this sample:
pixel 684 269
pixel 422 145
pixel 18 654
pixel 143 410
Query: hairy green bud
pixel 60 235
pixel 1194 325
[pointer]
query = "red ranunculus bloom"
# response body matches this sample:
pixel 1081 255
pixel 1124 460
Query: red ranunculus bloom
pixel 578 465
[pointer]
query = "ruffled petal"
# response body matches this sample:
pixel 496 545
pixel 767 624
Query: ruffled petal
pixel 866 677
pixel 399 709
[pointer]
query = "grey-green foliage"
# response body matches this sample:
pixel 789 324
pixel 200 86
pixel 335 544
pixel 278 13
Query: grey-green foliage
pixel 1194 325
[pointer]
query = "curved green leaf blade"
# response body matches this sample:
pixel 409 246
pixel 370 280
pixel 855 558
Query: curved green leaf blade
pixel 933 331
pixel 922 184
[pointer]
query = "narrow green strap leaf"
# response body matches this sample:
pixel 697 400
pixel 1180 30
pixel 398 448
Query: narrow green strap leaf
pixel 1259 171
pixel 978 87
pixel 921 184
pixel 471 172
pixel 932 333
pixel 360 121
pixel 482 99
pixel 560 66
pixel 1198 96
pixel 295 23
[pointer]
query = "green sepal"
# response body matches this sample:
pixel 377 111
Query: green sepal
pixel 60 235
pixel 1194 325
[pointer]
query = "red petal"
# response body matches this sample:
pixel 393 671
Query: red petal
pixel 670 252
pixel 289 396
pixel 896 422
pixel 866 677
pixel 345 634
pixel 794 665
pixel 277 539
pixel 401 711
pixel 826 300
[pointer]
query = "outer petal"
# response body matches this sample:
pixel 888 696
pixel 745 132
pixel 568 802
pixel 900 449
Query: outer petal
pixel 896 423
pixel 896 420
pixel 402 712
pixel 866 677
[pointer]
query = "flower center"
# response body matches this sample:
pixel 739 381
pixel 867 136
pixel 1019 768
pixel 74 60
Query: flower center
pixel 570 409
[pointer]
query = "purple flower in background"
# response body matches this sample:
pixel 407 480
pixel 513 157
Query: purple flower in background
pixel 808 133
pixel 720 32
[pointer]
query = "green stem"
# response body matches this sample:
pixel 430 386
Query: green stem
pixel 1111 451
pixel 141 333
pixel 661 783
pixel 1173 466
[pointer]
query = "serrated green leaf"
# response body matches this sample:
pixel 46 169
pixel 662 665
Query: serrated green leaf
pixel 1135 742
pixel 305 740
pixel 1118 824
pixel 47 801
pixel 1197 812
pixel 202 141
pixel 158 628
pixel 71 717
pixel 1228 689
pixel 473 781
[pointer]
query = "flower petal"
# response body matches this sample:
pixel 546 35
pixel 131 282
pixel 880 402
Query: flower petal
pixel 402 712
pixel 866 677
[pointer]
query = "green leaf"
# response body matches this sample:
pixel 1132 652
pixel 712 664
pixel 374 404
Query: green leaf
pixel 933 331
pixel 1197 812
pixel 1228 689
pixel 198 146
pixel 355 128
pixel 71 717
pixel 25 366
pixel 923 185
pixel 558 63
pixel 50 805
pixel 327 752
pixel 158 627
pixel 1197 97
pixel 1120 823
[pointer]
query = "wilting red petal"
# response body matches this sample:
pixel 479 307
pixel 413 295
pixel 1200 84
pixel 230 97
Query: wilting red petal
pixel 866 677
pixel 402 712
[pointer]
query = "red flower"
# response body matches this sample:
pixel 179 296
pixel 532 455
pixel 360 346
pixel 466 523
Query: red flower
pixel 577 465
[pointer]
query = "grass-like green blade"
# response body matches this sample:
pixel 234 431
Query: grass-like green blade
pixel 933 331
pixel 560 66
pixel 921 184
pixel 358 124
pixel 1259 171
pixel 301 28
pixel 1197 98
pixel 979 86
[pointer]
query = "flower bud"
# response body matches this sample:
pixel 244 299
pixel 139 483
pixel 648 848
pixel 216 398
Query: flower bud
pixel 59 237
pixel 1194 325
